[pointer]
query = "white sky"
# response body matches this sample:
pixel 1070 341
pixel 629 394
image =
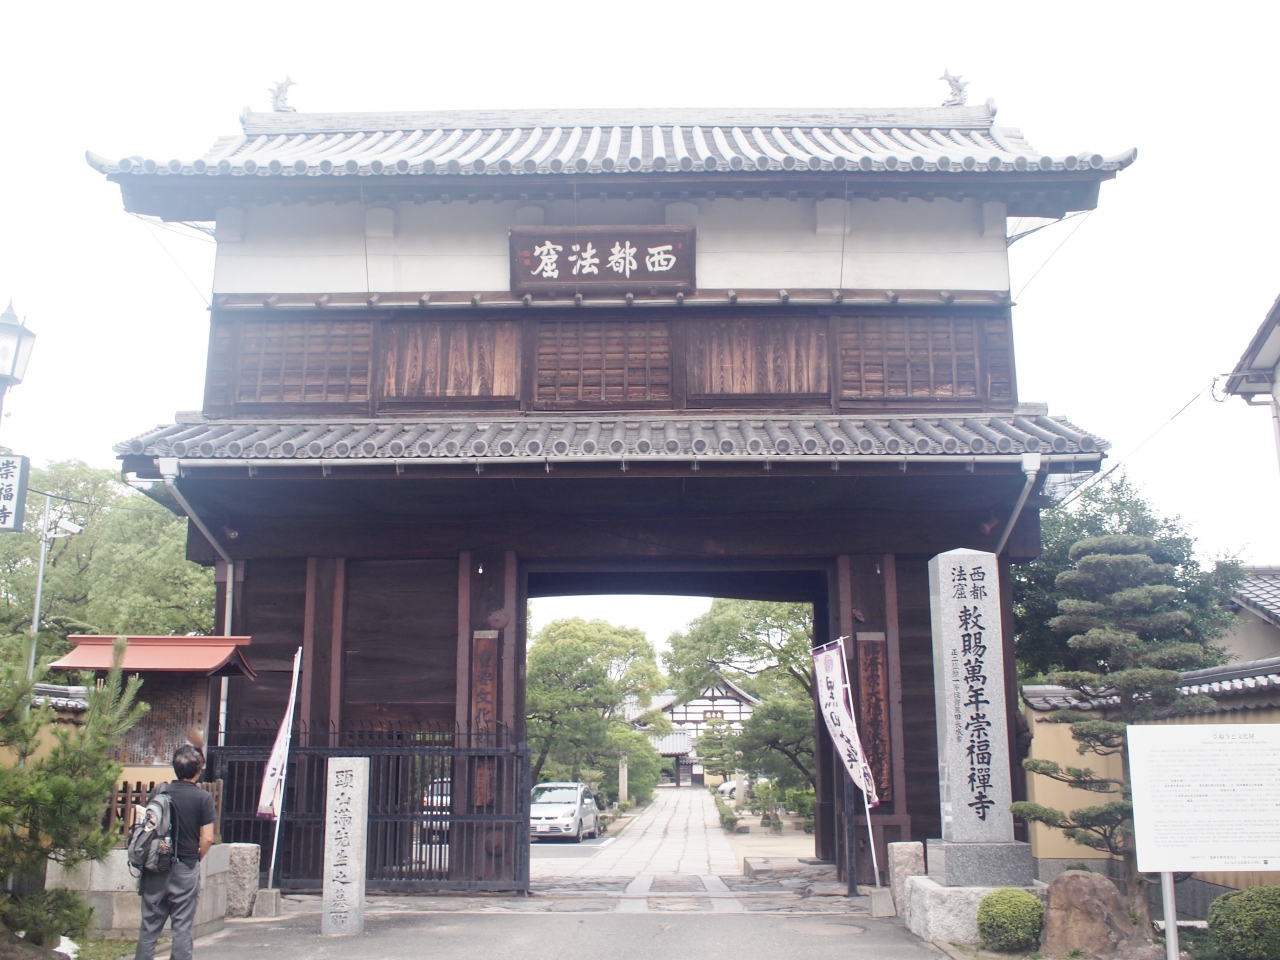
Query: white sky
pixel 658 617
pixel 1157 292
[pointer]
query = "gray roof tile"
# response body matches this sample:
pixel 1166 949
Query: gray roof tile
pixel 957 140
pixel 1260 591
pixel 613 438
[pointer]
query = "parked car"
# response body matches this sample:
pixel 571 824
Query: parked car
pixel 729 788
pixel 563 810
pixel 437 810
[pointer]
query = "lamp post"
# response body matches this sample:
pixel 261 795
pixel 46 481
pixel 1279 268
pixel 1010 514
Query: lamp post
pixel 16 342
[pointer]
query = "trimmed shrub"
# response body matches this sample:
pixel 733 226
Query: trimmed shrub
pixel 1010 919
pixel 1245 924
pixel 728 819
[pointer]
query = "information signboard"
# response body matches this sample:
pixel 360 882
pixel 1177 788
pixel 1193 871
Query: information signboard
pixel 1206 797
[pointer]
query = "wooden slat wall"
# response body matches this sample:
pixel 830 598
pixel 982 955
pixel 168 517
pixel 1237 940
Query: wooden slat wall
pixel 919 723
pixel 888 358
pixel 758 356
pixel 272 609
pixel 399 644
pixel 221 367
pixel 303 361
pixel 999 365
pixel 452 358
pixel 269 362
pixel 603 362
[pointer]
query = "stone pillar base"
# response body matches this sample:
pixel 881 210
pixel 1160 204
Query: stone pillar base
pixel 266 903
pixel 949 914
pixel 981 864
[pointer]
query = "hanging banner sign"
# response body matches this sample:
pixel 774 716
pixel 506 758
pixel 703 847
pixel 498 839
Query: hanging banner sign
pixel 13 492
pixel 271 800
pixel 602 259
pixel 830 675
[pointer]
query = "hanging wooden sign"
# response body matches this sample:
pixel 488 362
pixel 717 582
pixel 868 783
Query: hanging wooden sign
pixel 13 492
pixel 604 259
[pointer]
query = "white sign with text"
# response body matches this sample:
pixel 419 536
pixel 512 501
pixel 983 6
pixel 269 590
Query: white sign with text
pixel 1206 797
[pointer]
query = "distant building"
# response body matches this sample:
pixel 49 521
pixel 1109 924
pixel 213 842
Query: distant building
pixel 1257 603
pixel 1256 377
pixel 720 700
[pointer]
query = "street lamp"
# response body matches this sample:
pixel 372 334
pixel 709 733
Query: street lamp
pixel 16 342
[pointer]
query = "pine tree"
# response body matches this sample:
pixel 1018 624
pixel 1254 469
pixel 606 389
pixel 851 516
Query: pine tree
pixel 717 748
pixel 1129 623
pixel 52 802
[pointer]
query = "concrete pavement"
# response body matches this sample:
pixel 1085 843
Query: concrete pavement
pixel 408 935
pixel 678 833
pixel 670 881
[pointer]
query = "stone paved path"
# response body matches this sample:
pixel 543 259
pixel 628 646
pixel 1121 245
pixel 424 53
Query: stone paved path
pixel 679 833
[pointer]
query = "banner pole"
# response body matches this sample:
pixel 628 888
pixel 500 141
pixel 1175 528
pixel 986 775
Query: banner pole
pixel 284 771
pixel 872 836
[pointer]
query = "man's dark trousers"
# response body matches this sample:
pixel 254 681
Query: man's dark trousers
pixel 173 895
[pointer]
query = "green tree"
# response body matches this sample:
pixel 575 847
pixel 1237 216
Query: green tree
pixel 1132 628
pixel 125 573
pixel 579 678
pixel 644 765
pixel 1114 506
pixel 55 787
pixel 717 748
pixel 777 740
pixel 744 638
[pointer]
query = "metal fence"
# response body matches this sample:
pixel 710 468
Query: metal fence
pixel 447 810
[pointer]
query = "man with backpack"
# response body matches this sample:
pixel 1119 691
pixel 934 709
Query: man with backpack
pixel 167 846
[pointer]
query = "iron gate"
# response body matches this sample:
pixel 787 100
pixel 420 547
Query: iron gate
pixel 447 811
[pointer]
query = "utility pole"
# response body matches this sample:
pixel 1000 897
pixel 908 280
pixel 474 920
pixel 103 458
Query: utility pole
pixel 35 614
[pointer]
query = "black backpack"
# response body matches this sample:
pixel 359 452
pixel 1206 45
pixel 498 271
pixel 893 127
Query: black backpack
pixel 151 843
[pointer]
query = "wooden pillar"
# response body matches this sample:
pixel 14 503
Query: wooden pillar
pixel 486 709
pixel 825 768
pixel 898 753
pixel 512 645
pixel 320 693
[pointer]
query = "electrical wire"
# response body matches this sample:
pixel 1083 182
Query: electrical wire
pixel 1054 254
pixel 1089 485
pixel 168 254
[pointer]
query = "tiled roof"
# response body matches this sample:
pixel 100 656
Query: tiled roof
pixel 672 745
pixel 1252 678
pixel 209 656
pixel 561 436
pixel 1260 592
pixel 66 699
pixel 1256 370
pixel 956 140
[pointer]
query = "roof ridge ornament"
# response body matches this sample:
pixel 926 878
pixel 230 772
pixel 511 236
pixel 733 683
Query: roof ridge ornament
pixel 280 94
pixel 957 97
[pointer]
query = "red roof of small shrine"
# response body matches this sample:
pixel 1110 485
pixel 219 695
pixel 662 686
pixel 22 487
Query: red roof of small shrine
pixel 210 656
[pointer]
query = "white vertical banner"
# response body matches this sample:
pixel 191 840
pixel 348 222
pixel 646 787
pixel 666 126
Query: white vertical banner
pixel 831 678
pixel 271 800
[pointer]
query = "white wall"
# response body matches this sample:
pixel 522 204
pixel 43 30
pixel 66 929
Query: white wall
pixel 1252 638
pixel 883 244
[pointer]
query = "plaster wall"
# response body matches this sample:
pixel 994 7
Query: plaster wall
pixel 751 243
pixel 1052 741
pixel 1252 638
